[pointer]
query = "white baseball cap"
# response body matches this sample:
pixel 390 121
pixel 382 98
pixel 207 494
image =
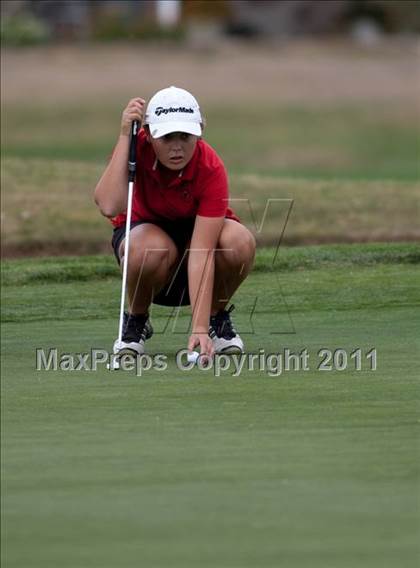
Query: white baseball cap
pixel 173 110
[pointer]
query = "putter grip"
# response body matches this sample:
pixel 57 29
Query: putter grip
pixel 132 155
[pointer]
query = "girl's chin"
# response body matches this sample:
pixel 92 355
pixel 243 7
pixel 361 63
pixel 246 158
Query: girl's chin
pixel 175 165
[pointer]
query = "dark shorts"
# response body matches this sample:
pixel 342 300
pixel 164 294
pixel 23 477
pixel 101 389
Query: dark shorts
pixel 175 293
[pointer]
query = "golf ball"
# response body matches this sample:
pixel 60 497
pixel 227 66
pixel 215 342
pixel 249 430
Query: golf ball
pixel 193 356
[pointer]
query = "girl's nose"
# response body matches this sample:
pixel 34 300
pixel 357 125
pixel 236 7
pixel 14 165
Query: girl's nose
pixel 176 144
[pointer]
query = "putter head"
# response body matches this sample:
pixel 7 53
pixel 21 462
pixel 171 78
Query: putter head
pixel 113 365
pixel 118 346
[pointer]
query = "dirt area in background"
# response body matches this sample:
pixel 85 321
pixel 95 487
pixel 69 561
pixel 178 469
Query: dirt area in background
pixel 294 72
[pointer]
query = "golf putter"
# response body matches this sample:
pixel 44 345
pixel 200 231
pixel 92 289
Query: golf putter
pixel 135 127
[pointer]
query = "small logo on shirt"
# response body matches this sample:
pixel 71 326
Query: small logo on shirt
pixel 161 110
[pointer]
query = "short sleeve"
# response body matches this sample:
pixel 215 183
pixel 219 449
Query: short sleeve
pixel 214 198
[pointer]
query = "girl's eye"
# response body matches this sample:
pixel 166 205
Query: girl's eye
pixel 184 136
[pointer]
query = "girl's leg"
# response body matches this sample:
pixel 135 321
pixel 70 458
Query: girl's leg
pixel 153 256
pixel 233 263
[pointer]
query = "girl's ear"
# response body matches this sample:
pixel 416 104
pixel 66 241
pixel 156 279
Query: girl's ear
pixel 203 127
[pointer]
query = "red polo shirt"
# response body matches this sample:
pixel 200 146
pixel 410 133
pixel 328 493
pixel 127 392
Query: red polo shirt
pixel 201 188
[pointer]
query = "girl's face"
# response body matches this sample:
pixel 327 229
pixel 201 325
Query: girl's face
pixel 174 150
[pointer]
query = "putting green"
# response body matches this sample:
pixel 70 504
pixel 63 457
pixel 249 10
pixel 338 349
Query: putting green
pixel 307 469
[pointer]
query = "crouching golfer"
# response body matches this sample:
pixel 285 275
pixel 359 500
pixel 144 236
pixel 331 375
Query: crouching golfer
pixel 186 245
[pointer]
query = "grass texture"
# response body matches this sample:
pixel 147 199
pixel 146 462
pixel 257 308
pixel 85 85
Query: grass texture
pixel 310 468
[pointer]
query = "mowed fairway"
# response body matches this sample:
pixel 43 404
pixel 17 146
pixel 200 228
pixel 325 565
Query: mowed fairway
pixel 306 469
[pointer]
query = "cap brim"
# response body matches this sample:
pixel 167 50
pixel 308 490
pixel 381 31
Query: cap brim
pixel 161 129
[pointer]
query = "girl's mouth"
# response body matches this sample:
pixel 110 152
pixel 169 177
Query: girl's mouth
pixel 176 159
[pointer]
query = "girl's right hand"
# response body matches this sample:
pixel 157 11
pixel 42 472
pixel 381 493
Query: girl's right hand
pixel 133 111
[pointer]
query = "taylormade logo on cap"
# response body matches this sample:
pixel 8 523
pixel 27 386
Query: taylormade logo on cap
pixel 161 110
pixel 173 110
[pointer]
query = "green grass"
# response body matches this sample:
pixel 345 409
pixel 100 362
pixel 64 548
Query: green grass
pixel 352 172
pixel 350 165
pixel 283 259
pixel 308 469
pixel 316 469
pixel 349 142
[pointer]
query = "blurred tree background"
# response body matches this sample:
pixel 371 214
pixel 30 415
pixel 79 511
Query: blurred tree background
pixel 32 21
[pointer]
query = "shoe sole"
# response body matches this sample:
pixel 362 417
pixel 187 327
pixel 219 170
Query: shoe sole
pixel 230 350
pixel 127 351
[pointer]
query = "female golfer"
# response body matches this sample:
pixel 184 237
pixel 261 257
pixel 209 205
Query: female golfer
pixel 186 245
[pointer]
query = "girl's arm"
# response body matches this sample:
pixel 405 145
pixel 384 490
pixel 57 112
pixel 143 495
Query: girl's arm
pixel 111 190
pixel 201 278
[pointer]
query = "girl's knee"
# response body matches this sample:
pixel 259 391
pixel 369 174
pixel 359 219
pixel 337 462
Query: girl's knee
pixel 237 246
pixel 151 254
